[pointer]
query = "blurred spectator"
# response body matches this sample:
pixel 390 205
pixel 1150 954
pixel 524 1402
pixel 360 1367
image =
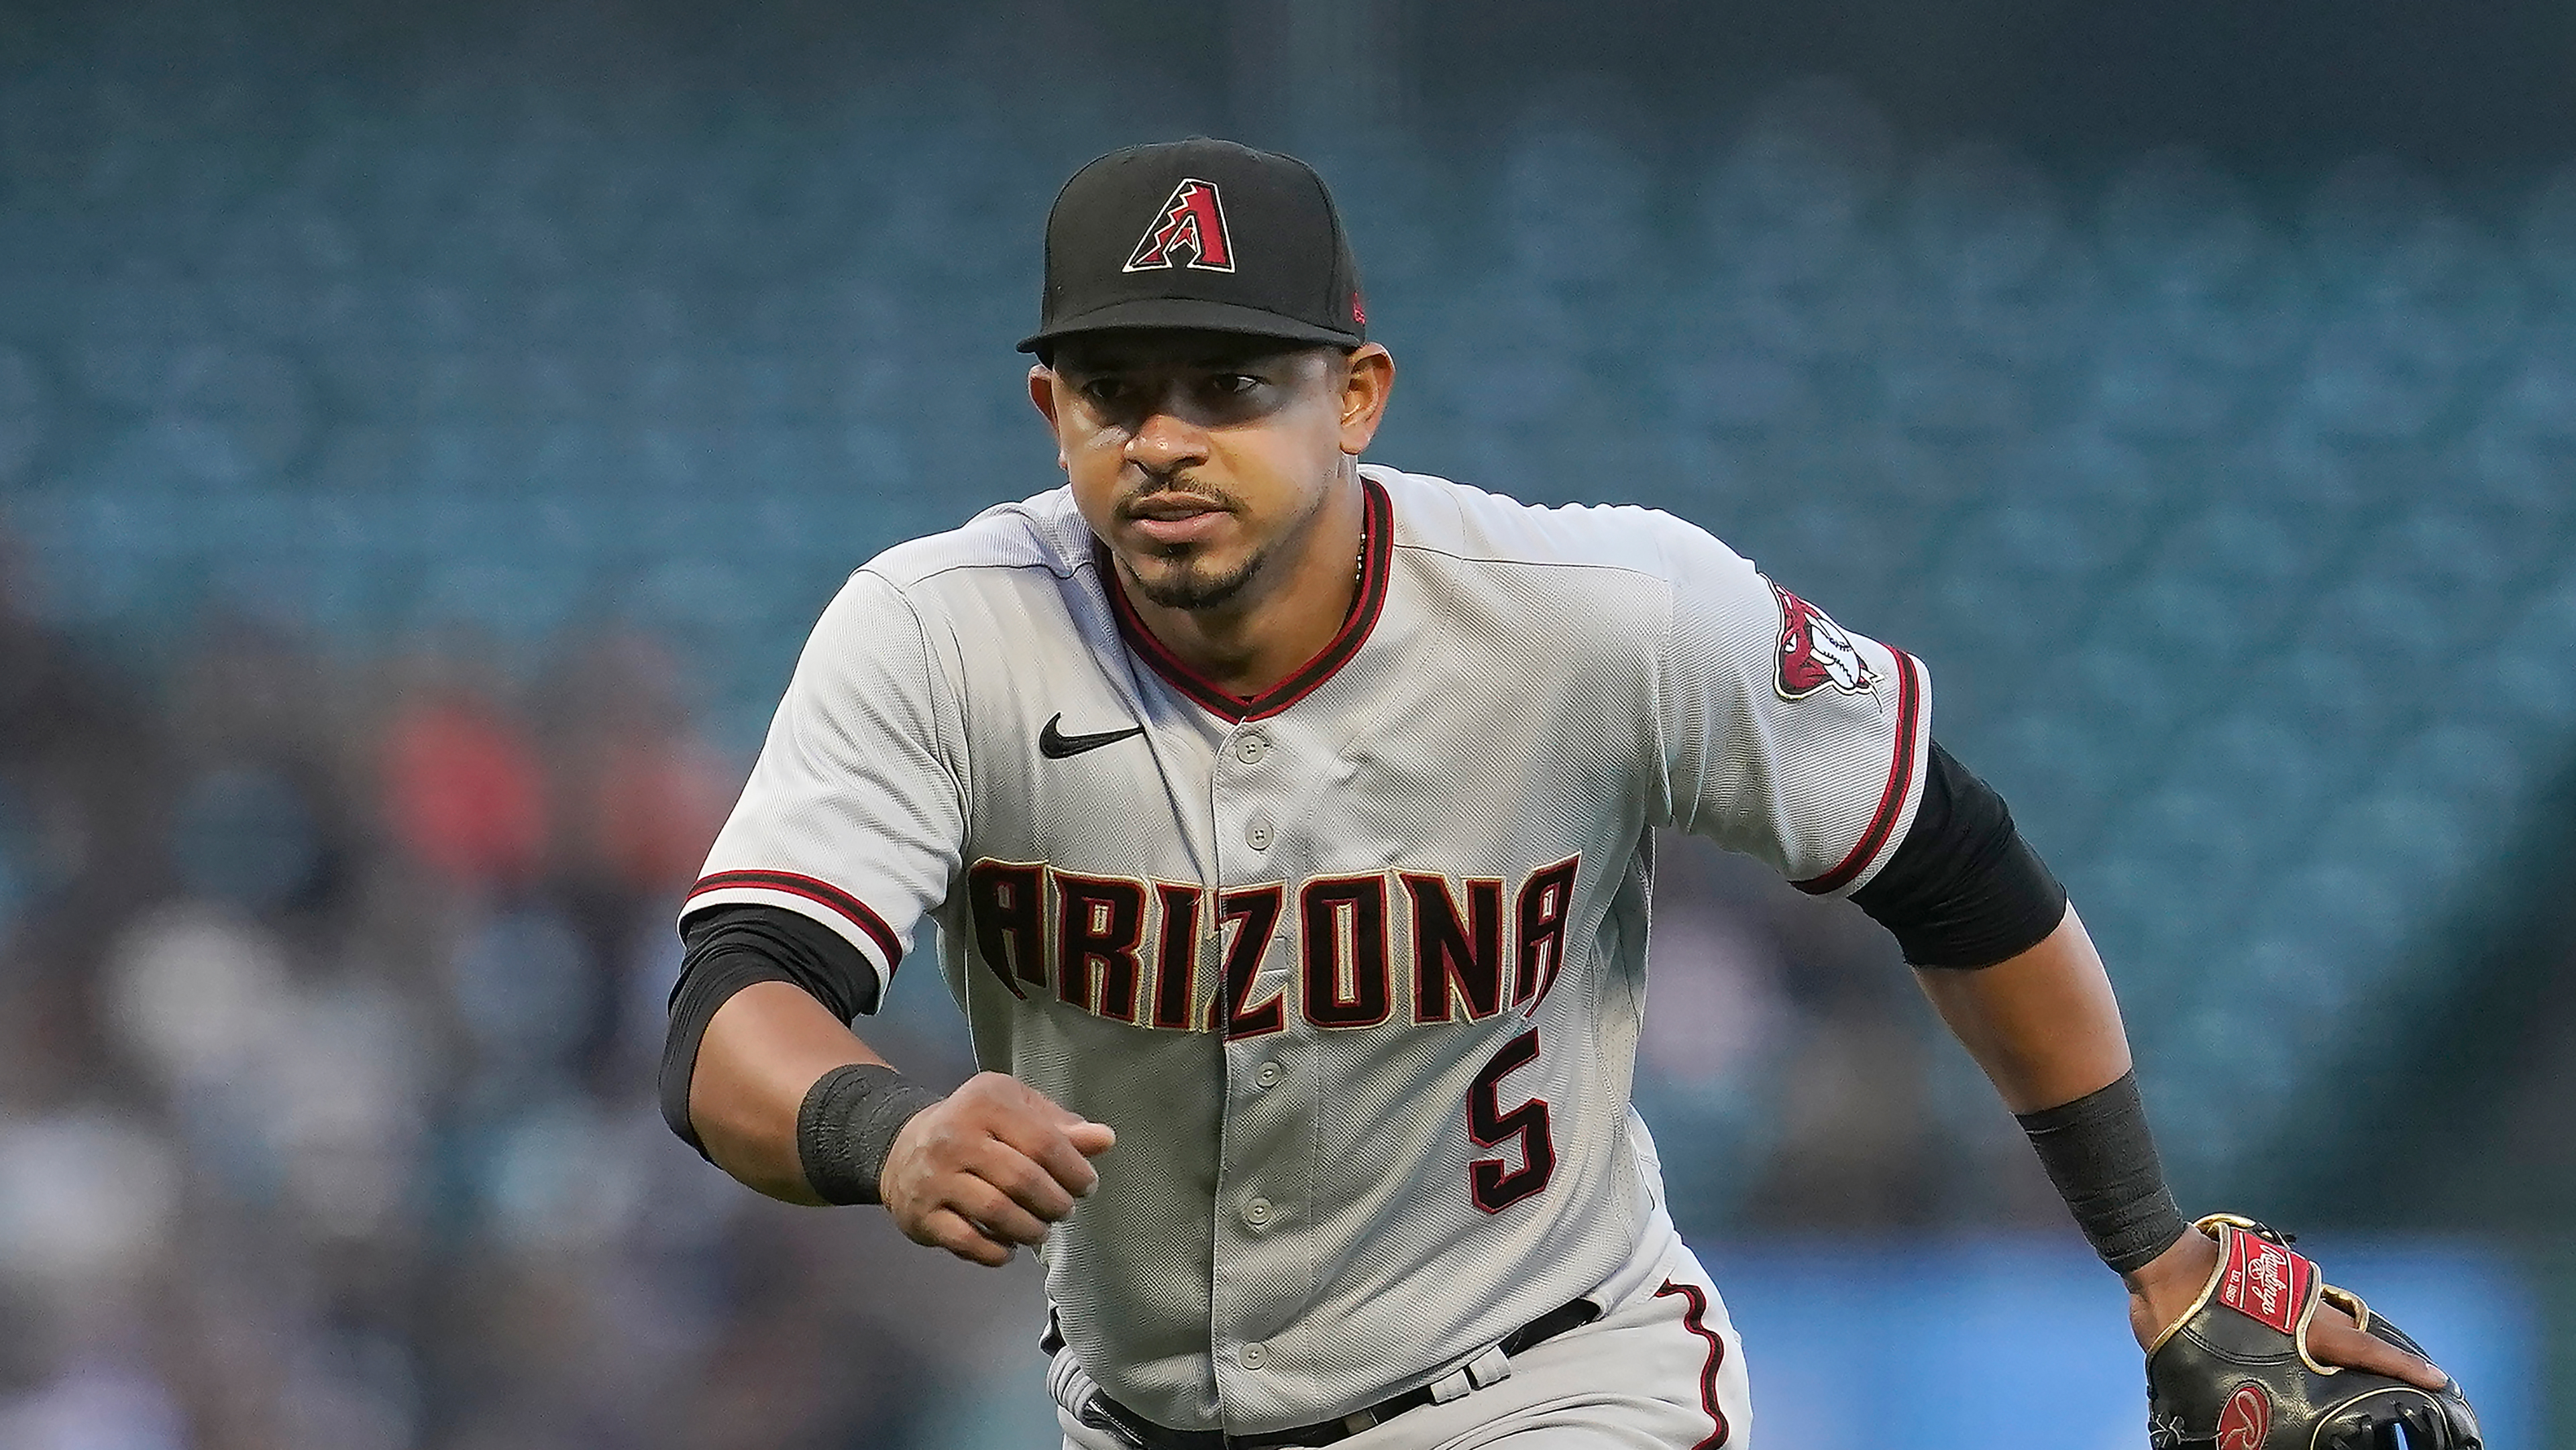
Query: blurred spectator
pixel 462 788
pixel 82 780
pixel 641 793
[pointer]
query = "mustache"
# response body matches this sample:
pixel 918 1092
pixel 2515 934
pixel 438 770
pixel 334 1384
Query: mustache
pixel 1173 488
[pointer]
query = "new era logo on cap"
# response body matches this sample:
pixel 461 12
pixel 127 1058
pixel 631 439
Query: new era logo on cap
pixel 1193 221
pixel 1202 235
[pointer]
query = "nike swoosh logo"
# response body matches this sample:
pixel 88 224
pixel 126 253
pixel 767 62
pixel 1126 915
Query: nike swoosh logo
pixel 1056 745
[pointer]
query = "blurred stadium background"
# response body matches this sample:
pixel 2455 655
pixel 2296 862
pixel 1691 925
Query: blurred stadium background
pixel 425 437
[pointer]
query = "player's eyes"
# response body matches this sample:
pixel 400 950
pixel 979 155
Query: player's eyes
pixel 1110 394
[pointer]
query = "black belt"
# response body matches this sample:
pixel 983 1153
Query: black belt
pixel 1104 1413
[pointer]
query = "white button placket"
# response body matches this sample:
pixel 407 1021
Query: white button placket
pixel 1260 1140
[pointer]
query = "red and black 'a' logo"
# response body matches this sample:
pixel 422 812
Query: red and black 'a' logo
pixel 1192 221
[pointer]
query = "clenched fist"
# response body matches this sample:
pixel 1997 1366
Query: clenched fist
pixel 989 1167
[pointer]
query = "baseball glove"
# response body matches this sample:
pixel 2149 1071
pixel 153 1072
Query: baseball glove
pixel 2234 1373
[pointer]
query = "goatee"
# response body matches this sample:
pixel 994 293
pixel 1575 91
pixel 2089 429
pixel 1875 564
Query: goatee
pixel 1188 586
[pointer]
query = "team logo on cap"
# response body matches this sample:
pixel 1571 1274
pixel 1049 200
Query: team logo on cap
pixel 1192 221
pixel 1815 653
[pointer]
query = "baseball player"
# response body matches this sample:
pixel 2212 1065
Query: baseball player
pixel 1288 823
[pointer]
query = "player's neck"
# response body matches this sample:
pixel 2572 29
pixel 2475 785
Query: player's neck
pixel 1283 617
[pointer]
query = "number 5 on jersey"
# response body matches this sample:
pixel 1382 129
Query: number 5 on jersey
pixel 1496 1183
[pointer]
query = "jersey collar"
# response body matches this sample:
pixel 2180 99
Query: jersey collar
pixel 1302 681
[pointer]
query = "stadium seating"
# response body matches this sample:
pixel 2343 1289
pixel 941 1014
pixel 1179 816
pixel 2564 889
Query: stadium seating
pixel 2237 544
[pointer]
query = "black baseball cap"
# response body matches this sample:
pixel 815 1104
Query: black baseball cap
pixel 1201 234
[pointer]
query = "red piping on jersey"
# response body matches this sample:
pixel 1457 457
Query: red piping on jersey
pixel 821 893
pixel 1694 1310
pixel 1301 682
pixel 1891 804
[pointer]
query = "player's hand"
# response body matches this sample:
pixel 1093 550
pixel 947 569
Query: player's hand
pixel 988 1167
pixel 2164 1291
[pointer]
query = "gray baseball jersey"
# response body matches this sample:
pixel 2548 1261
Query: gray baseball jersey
pixel 1355 968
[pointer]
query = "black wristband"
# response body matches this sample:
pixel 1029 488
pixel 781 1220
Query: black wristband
pixel 848 1124
pixel 2098 1152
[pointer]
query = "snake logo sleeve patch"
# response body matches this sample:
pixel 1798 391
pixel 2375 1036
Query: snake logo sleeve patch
pixel 1815 653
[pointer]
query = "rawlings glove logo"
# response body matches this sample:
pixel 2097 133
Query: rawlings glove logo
pixel 2246 1420
pixel 2265 1281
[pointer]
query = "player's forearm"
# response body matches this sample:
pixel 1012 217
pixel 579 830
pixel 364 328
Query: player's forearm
pixel 763 1052
pixel 2043 1024
pixel 2045 1027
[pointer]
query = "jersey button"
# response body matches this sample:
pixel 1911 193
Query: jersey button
pixel 1254 1356
pixel 1257 1212
pixel 1268 1076
pixel 1251 748
pixel 1257 835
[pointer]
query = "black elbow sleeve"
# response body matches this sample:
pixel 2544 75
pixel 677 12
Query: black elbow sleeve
pixel 731 947
pixel 1963 889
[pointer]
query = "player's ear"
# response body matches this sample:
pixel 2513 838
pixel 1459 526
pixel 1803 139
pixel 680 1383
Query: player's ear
pixel 1042 393
pixel 1368 376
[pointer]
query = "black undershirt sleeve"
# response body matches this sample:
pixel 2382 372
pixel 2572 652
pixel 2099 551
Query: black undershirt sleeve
pixel 1963 889
pixel 731 947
